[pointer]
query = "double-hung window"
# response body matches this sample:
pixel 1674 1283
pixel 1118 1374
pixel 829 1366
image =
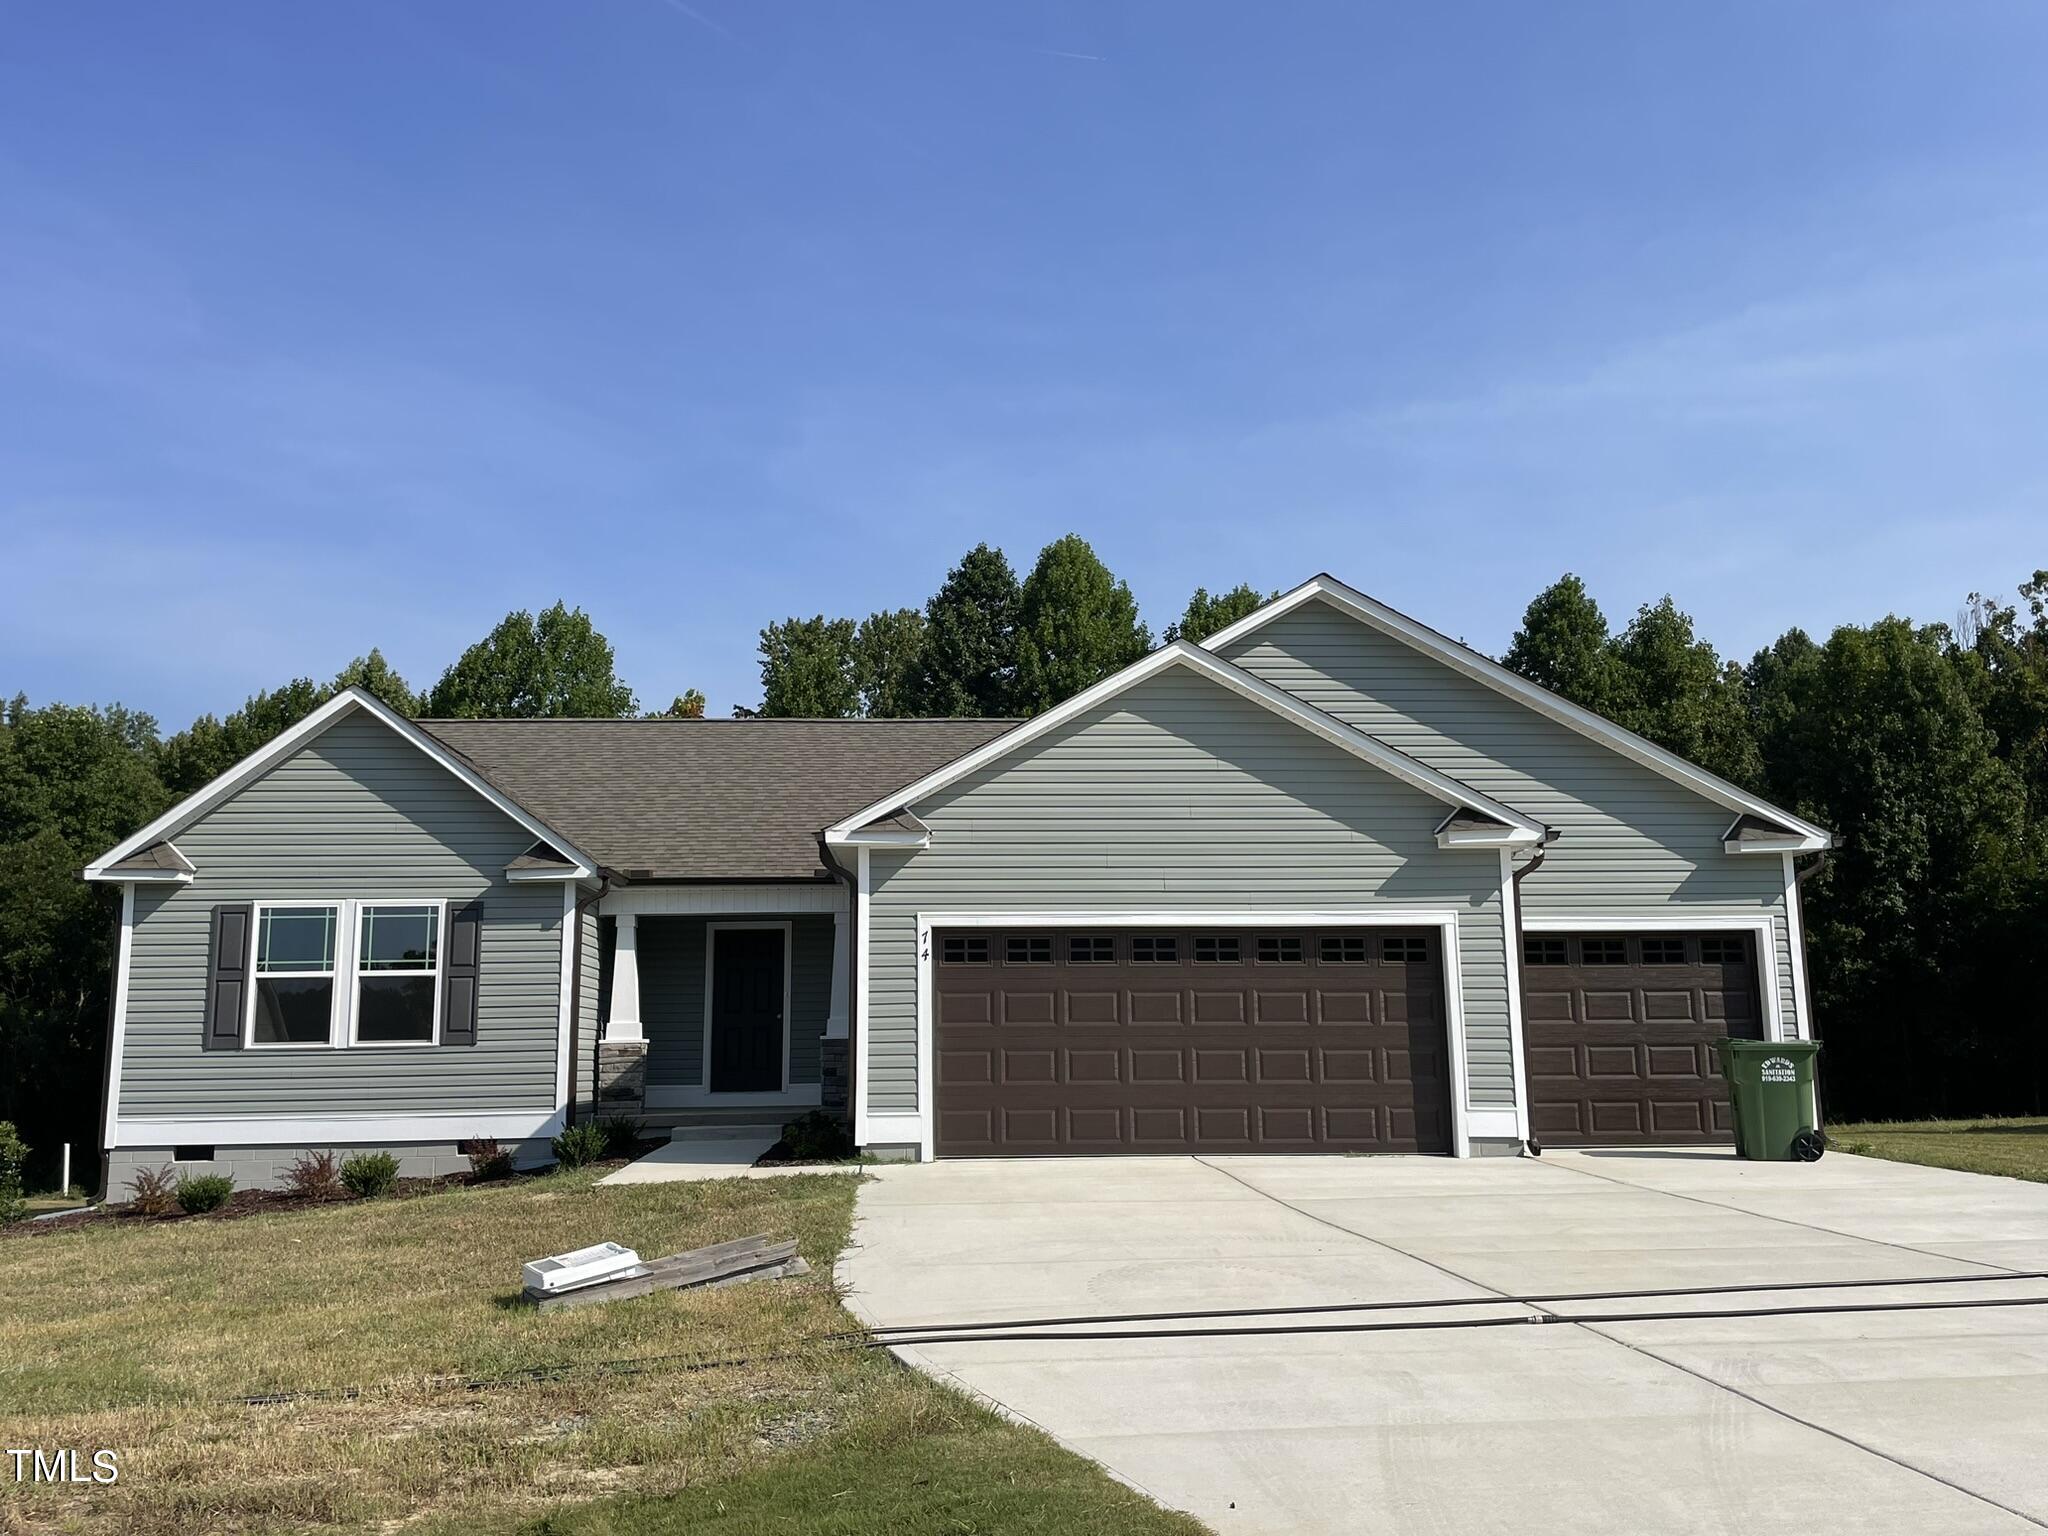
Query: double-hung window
pixel 292 1002
pixel 346 972
pixel 398 973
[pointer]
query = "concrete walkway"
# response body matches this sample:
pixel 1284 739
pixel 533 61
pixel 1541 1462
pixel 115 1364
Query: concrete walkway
pixel 1906 1422
pixel 714 1157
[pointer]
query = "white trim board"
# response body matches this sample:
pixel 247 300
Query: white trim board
pixel 565 1006
pixel 261 761
pixel 1511 927
pixel 1443 919
pixel 122 961
pixel 736 899
pixel 711 932
pixel 318 1130
pixel 1350 601
pixel 1761 925
pixel 1182 653
pixel 1795 942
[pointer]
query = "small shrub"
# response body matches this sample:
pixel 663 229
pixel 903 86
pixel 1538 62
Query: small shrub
pixel 815 1137
pixel 579 1144
pixel 622 1135
pixel 369 1174
pixel 202 1192
pixel 155 1190
pixel 487 1160
pixel 13 1155
pixel 315 1176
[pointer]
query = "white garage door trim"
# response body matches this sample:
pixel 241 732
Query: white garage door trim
pixel 1763 928
pixel 1443 919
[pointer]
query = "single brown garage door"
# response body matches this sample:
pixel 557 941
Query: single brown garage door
pixel 1619 1028
pixel 1057 1041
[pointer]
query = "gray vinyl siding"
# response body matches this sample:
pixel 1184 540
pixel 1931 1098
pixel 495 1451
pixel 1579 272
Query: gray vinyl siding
pixel 357 813
pixel 1178 794
pixel 1633 842
pixel 589 981
pixel 671 957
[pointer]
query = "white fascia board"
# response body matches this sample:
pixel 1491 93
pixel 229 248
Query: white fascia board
pixel 1777 846
pixel 1185 654
pixel 894 838
pixel 282 746
pixel 140 876
pixel 545 876
pixel 1483 669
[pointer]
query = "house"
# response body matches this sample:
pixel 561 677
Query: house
pixel 1328 882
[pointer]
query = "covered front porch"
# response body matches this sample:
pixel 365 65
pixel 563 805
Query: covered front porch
pixel 723 1005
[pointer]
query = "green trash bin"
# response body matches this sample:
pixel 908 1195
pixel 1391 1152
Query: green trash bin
pixel 1770 1084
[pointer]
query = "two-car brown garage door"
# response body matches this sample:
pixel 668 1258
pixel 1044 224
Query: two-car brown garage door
pixel 1619 1031
pixel 1076 1041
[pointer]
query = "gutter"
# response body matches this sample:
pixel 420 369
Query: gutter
pixel 576 998
pixel 1517 876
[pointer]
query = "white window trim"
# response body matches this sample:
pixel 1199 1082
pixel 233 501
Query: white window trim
pixel 347 973
pixel 711 932
pixel 357 973
pixel 882 1130
pixel 1761 927
pixel 343 933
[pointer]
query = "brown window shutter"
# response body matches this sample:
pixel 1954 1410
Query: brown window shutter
pixel 458 990
pixel 227 978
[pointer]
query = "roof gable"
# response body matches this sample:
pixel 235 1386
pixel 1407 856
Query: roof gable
pixel 113 865
pixel 1518 829
pixel 1369 611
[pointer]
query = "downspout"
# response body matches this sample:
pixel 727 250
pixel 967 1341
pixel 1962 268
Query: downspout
pixel 1799 879
pixel 1517 876
pixel 854 1001
pixel 576 997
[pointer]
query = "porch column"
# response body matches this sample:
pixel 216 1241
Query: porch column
pixel 624 1024
pixel 842 985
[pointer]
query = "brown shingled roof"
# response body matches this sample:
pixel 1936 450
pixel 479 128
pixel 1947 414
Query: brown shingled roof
pixel 705 799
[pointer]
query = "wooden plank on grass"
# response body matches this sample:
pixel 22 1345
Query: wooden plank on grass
pixel 746 1258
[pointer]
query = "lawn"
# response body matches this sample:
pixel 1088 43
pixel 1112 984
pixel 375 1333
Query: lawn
pixel 430 1399
pixel 2016 1148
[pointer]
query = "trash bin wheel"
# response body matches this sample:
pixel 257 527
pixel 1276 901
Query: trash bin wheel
pixel 1807 1146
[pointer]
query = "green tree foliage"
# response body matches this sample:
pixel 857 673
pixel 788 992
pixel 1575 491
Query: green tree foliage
pixel 1076 624
pixel 553 665
pixel 210 746
pixel 1205 615
pixel 888 663
pixel 1564 645
pixel 74 781
pixel 1669 685
pixel 970 651
pixel 807 669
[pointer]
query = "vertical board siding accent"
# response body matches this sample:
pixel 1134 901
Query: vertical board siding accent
pixel 358 813
pixel 672 993
pixel 1633 842
pixel 1178 794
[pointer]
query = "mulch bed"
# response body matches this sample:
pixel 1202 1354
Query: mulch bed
pixel 263 1202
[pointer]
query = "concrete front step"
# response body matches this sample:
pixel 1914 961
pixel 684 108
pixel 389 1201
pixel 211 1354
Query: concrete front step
pixel 727 1132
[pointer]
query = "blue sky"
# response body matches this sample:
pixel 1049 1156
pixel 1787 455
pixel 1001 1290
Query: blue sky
pixel 331 326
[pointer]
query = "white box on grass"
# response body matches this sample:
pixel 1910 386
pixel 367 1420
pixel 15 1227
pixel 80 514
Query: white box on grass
pixel 586 1266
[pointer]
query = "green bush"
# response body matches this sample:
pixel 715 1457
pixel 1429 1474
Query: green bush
pixel 13 1154
pixel 202 1192
pixel 369 1174
pixel 816 1137
pixel 622 1135
pixel 580 1144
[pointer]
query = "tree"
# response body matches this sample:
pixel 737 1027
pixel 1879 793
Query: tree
pixel 73 782
pixel 1668 685
pixel 969 664
pixel 527 668
pixel 1205 615
pixel 210 746
pixel 807 669
pixel 888 662
pixel 688 705
pixel 1076 624
pixel 1563 645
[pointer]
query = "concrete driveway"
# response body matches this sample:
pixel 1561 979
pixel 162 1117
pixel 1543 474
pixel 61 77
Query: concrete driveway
pixel 1906 1422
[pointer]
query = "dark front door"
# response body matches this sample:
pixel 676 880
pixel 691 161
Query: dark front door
pixel 746 1010
pixel 1057 1041
pixel 1620 1030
